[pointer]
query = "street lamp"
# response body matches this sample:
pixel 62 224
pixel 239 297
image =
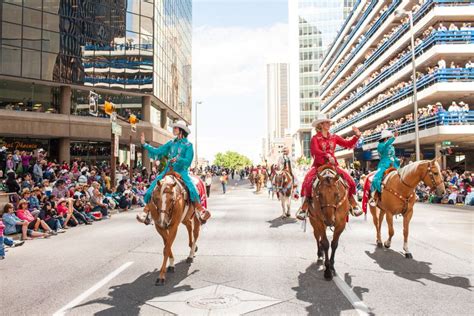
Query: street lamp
pixel 196 131
pixel 401 13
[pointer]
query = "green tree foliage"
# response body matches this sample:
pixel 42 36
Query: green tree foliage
pixel 232 160
pixel 303 161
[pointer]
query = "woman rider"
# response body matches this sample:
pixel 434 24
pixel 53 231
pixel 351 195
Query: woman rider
pixel 387 159
pixel 180 153
pixel 323 146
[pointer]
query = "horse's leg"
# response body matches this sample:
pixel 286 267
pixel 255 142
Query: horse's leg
pixel 335 242
pixel 327 263
pixel 288 207
pixel 381 215
pixel 406 226
pixel 165 235
pixel 171 265
pixel 391 232
pixel 375 218
pixel 196 231
pixel 320 248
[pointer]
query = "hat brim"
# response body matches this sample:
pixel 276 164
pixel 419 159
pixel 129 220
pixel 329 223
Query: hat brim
pixel 317 122
pixel 183 127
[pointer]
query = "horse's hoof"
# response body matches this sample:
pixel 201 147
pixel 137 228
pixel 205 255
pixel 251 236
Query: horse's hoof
pixel 170 269
pixel 288 215
pixel 379 244
pixel 386 245
pixel 320 259
pixel 328 274
pixel 160 282
pixel 196 250
pixel 189 260
pixel 408 255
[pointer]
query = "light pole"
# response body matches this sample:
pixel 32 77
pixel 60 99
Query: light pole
pixel 400 13
pixel 196 131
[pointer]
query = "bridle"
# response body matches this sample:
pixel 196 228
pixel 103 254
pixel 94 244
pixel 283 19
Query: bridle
pixel 279 185
pixel 168 211
pixel 429 172
pixel 328 205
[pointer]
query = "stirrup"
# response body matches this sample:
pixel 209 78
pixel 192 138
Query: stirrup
pixel 301 214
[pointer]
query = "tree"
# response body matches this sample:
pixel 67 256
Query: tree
pixel 232 160
pixel 303 161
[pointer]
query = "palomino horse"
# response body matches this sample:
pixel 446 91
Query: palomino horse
pixel 169 207
pixel 284 189
pixel 398 197
pixel 259 182
pixel 329 208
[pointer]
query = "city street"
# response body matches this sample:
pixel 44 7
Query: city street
pixel 249 261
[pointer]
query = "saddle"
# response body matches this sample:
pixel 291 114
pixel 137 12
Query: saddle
pixel 389 169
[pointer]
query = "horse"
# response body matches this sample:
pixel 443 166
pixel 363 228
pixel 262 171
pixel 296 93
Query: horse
pixel 252 177
pixel 259 181
pixel 398 197
pixel 329 208
pixel 284 189
pixel 169 207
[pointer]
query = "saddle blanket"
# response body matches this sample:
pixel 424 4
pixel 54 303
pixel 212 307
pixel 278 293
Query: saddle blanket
pixel 201 188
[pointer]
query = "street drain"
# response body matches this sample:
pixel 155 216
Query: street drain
pixel 213 301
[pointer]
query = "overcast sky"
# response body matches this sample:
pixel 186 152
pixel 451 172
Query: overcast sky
pixel 232 42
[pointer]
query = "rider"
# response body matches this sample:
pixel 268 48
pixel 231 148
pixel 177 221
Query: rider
pixel 180 153
pixel 285 162
pixel 323 146
pixel 387 159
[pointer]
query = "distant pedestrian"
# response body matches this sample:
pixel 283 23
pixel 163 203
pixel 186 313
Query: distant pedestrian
pixel 224 179
pixel 208 182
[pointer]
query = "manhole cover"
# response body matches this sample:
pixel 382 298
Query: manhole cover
pixel 213 301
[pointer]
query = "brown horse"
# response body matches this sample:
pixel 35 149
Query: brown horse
pixel 283 185
pixel 329 208
pixel 169 207
pixel 398 197
pixel 260 181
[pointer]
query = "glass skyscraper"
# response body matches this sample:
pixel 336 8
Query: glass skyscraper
pixel 137 53
pixel 313 27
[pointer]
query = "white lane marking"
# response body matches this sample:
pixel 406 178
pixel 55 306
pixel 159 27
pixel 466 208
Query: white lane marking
pixel 359 306
pixel 91 290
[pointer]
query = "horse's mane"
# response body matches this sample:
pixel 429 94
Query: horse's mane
pixel 409 170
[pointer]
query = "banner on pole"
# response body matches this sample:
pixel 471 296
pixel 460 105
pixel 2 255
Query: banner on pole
pixel 132 151
pixel 116 129
pixel 93 103
pixel 116 145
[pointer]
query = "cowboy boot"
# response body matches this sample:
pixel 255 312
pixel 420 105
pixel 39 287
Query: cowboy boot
pixel 204 214
pixel 303 211
pixel 355 209
pixel 147 219
pixel 374 197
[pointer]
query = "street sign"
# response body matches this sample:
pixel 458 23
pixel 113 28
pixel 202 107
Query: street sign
pixel 116 129
pixel 446 143
pixel 113 117
pixel 116 145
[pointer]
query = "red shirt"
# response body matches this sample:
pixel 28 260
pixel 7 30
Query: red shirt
pixel 324 147
pixel 25 215
pixel 62 209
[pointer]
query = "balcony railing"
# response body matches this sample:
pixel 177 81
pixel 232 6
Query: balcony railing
pixel 427 6
pixel 444 75
pixel 118 64
pixel 443 118
pixel 437 37
pixel 118 80
pixel 115 47
pixel 367 35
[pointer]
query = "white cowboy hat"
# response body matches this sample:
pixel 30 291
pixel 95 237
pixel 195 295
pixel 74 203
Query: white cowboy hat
pixel 321 119
pixel 182 125
pixel 386 133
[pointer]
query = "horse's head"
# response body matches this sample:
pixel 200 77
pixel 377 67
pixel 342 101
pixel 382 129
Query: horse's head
pixel 434 178
pixel 328 194
pixel 165 200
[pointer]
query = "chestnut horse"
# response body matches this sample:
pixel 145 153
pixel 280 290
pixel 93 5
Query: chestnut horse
pixel 169 207
pixel 259 182
pixel 284 190
pixel 398 197
pixel 329 208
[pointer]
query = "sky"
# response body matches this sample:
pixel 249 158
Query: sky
pixel 233 40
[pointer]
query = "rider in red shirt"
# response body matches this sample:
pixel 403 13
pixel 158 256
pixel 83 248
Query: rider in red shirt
pixel 323 147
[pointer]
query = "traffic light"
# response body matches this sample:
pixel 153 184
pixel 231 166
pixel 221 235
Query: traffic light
pixel 109 107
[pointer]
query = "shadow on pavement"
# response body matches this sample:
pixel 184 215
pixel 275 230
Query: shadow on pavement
pixel 277 222
pixel 359 291
pixel 413 270
pixel 128 298
pixel 324 296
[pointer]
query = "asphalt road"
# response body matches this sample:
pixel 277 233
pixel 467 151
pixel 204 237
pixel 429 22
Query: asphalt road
pixel 249 261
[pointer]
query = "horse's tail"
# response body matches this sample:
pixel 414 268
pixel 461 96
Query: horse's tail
pixel 366 191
